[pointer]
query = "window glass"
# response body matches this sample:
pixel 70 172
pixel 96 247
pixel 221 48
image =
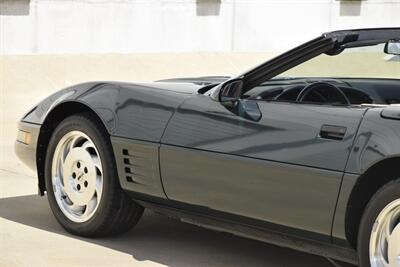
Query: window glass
pixel 360 62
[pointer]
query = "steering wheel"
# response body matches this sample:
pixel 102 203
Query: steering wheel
pixel 326 92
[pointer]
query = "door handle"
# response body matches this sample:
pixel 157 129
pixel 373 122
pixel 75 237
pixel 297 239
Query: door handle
pixel 332 132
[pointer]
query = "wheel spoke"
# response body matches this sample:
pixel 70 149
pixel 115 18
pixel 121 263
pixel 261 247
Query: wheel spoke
pixel 97 163
pixel 77 208
pixel 392 221
pixel 91 205
pixel 62 164
pixel 394 247
pixel 99 185
pixel 388 228
pixel 73 142
pixel 58 186
pixel 87 144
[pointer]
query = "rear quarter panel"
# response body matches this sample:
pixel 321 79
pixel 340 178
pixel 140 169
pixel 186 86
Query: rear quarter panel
pixel 377 139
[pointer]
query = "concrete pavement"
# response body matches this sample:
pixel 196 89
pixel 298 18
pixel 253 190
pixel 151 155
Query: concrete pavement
pixel 30 236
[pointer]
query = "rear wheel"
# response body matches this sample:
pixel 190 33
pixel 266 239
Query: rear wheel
pixel 82 182
pixel 379 235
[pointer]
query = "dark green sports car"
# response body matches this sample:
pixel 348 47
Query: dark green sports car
pixel 302 151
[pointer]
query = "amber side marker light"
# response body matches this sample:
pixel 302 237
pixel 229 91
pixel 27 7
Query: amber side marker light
pixel 24 137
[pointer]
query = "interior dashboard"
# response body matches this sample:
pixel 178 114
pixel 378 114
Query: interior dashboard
pixel 333 91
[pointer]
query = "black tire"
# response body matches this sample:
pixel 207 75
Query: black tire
pixel 116 213
pixel 385 195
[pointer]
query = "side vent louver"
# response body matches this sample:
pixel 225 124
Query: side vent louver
pixel 138 166
pixel 129 166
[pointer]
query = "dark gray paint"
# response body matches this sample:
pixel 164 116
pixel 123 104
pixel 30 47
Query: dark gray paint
pixel 286 133
pixel 138 166
pixel 261 190
pixel 339 224
pixel 136 111
pixel 377 139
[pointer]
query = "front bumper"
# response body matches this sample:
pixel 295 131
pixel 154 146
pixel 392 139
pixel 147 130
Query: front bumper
pixel 26 143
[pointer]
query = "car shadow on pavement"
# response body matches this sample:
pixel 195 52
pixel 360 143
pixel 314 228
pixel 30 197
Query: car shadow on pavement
pixel 166 241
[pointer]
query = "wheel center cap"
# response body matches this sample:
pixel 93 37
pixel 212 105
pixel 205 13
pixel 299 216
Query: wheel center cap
pixel 79 176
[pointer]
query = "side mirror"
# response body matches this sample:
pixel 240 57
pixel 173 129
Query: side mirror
pixel 231 91
pixel 392 47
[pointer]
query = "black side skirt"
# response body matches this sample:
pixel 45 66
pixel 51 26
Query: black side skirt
pixel 323 249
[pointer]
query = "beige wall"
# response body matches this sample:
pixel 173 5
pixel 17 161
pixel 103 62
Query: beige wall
pixel 25 80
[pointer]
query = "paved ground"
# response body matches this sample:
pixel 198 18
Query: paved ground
pixel 30 236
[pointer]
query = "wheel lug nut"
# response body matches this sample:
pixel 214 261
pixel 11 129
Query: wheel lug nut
pixel 85 170
pixel 78 187
pixel 78 164
pixel 73 175
pixel 86 183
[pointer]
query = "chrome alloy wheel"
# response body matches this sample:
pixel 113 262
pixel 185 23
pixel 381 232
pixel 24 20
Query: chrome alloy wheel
pixel 384 245
pixel 77 176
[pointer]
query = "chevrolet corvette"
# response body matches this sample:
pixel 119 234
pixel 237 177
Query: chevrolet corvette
pixel 302 151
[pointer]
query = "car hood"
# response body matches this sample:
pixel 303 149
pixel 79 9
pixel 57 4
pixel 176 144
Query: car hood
pixel 201 81
pixel 177 85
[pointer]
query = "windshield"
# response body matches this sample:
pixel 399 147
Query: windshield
pixel 359 62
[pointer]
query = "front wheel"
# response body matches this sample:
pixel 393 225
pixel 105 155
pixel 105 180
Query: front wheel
pixel 379 234
pixel 82 182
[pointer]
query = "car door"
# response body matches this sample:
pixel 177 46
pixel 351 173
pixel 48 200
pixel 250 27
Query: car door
pixel 283 169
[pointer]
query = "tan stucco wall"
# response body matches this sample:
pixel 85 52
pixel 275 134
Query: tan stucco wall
pixel 25 80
